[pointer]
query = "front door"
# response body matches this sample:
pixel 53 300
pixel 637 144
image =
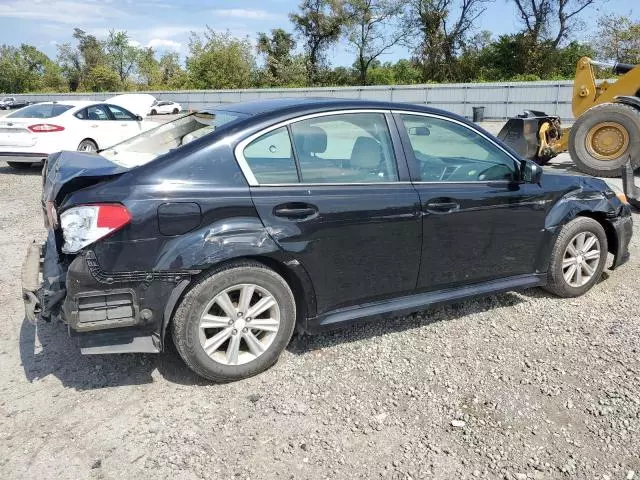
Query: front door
pixel 480 222
pixel 329 191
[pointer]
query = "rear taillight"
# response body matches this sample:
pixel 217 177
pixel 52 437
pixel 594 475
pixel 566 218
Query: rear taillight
pixel 45 127
pixel 84 225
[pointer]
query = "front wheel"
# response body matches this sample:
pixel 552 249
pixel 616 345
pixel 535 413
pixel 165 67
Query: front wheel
pixel 235 322
pixel 578 258
pixel 176 111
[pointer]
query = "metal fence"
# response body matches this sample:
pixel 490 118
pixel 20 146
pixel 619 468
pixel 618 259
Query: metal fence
pixel 501 100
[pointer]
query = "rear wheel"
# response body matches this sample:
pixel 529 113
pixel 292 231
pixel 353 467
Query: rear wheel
pixel 154 112
pixel 603 138
pixel 175 110
pixel 19 165
pixel 235 322
pixel 88 146
pixel 578 258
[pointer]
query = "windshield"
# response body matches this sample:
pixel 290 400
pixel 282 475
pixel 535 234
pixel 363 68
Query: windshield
pixel 166 137
pixel 41 110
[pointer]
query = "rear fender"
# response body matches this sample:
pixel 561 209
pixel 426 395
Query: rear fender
pixel 224 242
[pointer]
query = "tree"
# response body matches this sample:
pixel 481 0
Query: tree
pixel 319 23
pixel 148 67
pixel 373 29
pixel 171 73
pixel 102 79
pixel 219 60
pixel 26 69
pixel 542 17
pixel 277 49
pixel 121 55
pixel 618 39
pixel 76 62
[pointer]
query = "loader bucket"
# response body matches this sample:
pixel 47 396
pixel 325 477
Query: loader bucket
pixel 521 133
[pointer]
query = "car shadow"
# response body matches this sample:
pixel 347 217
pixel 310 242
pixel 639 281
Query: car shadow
pixel 34 170
pixel 60 356
pixel 365 330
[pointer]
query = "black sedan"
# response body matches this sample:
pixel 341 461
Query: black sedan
pixel 232 228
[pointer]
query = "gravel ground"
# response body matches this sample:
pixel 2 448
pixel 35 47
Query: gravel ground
pixel 514 386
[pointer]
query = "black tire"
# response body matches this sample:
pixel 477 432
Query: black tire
pixel 556 282
pixel 624 115
pixel 20 165
pixel 88 146
pixel 186 321
pixel 154 112
pixel 176 111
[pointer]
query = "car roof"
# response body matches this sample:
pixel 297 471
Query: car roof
pixel 301 106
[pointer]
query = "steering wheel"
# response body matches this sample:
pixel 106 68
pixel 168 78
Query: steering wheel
pixel 495 172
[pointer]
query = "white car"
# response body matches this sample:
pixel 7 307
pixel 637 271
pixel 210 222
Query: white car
pixel 30 134
pixel 165 107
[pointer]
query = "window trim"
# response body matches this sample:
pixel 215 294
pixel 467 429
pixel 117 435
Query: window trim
pixel 253 182
pixel 403 132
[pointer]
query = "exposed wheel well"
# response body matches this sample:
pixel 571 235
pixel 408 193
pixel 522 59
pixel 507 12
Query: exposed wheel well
pixel 601 218
pixel 89 140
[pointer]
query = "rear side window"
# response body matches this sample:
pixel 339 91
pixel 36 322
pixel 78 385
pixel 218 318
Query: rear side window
pixel 42 110
pixel 94 112
pixel 270 158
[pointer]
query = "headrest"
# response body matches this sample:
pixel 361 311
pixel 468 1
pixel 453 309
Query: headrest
pixel 366 153
pixel 309 140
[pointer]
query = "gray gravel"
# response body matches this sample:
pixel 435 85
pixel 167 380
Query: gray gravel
pixel 514 386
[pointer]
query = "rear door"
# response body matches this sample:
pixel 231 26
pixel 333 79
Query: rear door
pixel 329 190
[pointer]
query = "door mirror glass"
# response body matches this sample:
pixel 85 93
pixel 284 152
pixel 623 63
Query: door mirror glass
pixel 531 172
pixel 139 118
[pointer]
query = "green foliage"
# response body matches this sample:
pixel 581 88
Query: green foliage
pixel 618 39
pixel 102 79
pixel 319 23
pixel 277 50
pixel 440 33
pixel 219 60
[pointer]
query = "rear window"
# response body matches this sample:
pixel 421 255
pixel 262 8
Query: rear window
pixel 42 110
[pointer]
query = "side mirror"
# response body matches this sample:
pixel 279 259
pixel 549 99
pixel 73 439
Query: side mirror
pixel 531 172
pixel 419 131
pixel 139 118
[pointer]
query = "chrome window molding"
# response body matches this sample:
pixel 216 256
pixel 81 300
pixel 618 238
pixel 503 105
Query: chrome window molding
pixel 453 120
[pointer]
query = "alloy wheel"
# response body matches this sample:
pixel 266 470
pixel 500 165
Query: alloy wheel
pixel 239 324
pixel 581 258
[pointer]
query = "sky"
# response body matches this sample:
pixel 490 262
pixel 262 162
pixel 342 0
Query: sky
pixel 165 24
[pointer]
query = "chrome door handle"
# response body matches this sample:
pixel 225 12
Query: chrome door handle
pixel 442 207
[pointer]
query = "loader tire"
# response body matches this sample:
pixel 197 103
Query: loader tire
pixel 602 139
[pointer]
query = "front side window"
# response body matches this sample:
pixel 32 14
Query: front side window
pixel 345 148
pixel 447 151
pixel 120 113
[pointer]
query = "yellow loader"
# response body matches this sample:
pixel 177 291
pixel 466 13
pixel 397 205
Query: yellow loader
pixel 604 141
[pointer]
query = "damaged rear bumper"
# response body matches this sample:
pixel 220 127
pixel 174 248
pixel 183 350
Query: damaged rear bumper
pixel 106 313
pixel 31 284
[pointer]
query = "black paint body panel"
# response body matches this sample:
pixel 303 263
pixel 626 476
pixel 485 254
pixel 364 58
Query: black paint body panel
pixel 369 250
